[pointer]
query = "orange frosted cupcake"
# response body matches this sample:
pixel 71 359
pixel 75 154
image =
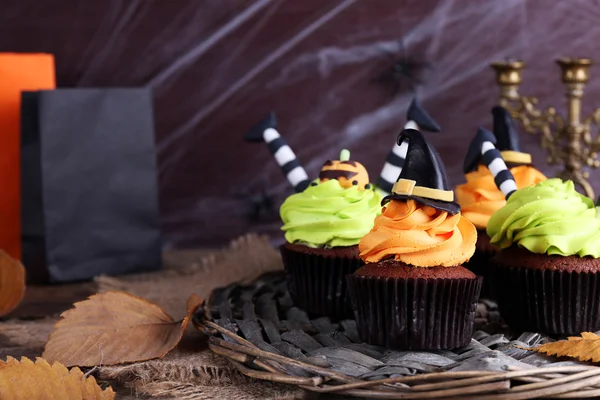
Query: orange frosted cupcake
pixel 479 197
pixel 413 292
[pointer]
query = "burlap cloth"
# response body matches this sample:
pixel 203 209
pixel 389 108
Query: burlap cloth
pixel 190 371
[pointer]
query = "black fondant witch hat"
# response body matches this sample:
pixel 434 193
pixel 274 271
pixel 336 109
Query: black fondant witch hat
pixel 423 177
pixel 507 137
pixel 421 117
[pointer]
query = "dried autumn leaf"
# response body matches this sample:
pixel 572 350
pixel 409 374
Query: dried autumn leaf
pixel 12 283
pixel 26 380
pixel 114 328
pixel 584 348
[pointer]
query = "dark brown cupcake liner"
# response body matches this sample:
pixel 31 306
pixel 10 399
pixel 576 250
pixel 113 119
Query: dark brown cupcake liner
pixel 317 282
pixel 479 263
pixel 552 302
pixel 414 314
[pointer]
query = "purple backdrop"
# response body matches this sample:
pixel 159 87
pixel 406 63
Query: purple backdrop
pixel 217 66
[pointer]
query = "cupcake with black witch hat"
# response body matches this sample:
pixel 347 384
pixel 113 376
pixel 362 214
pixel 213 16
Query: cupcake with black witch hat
pixel 413 292
pixel 547 273
pixel 480 197
pixel 549 236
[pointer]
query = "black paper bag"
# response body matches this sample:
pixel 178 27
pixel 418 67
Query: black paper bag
pixel 88 184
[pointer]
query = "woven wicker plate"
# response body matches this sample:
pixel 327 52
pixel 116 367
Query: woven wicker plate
pixel 257 328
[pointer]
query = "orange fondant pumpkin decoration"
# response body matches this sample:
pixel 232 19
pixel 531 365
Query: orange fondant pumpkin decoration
pixel 348 173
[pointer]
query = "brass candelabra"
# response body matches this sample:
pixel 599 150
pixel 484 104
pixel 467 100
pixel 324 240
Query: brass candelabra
pixel 573 141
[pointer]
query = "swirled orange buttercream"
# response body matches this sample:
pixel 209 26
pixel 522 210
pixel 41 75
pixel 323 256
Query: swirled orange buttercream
pixel 479 198
pixel 419 235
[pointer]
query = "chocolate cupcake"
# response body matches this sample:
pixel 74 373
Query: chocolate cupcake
pixel 413 292
pixel 479 197
pixel 547 275
pixel 323 225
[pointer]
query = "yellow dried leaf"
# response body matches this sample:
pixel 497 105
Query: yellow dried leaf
pixel 12 283
pixel 26 380
pixel 114 328
pixel 584 348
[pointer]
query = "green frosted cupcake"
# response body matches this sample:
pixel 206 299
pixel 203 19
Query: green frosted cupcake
pixel 547 275
pixel 323 225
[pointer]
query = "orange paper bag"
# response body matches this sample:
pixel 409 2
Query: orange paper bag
pixel 18 72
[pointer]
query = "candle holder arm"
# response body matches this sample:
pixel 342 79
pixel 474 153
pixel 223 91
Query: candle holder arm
pixel 591 143
pixel 543 122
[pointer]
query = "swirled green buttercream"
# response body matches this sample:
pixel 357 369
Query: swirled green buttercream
pixel 548 218
pixel 329 215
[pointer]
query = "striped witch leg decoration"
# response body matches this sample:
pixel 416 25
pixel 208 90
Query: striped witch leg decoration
pixel 483 150
pixel 418 119
pixel 393 164
pixel 265 131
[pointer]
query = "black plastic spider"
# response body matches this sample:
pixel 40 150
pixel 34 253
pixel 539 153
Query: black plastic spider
pixel 406 72
pixel 259 206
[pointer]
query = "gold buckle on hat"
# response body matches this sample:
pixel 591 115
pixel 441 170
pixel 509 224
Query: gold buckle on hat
pixel 516 157
pixel 408 187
